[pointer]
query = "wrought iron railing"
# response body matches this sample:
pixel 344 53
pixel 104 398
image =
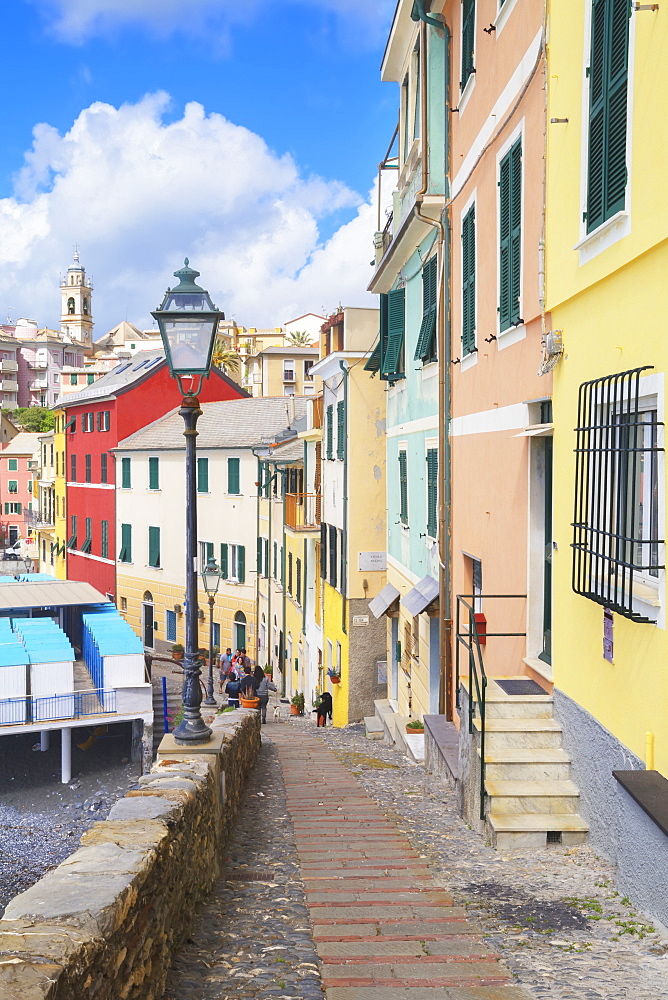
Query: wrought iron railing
pixel 74 705
pixel 469 633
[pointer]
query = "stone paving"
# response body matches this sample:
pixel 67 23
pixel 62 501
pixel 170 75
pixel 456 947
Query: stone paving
pixel 351 873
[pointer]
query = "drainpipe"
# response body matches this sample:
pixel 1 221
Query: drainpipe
pixel 287 668
pixel 444 337
pixel 344 540
pixel 260 469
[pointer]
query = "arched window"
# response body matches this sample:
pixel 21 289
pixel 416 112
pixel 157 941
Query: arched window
pixel 70 307
pixel 240 617
pixel 240 630
pixel 85 307
pixel 148 596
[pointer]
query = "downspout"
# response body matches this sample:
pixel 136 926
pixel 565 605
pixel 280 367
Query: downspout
pixel 287 668
pixel 344 541
pixel 305 553
pixel 260 470
pixel 444 337
pixel 268 632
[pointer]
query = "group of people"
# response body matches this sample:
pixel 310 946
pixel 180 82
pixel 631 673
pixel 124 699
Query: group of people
pixel 238 679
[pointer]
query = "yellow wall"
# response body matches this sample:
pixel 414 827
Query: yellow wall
pixel 60 492
pixel 611 311
pixel 332 630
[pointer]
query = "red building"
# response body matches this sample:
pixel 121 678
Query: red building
pixel 131 396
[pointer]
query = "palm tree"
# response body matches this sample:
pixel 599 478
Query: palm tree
pixel 228 360
pixel 299 338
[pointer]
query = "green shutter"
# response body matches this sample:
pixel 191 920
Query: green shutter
pixel 282 567
pixel 393 360
pixel 608 97
pixel 125 555
pixel 13 464
pixel 154 473
pixel 330 432
pixel 340 430
pixel 275 560
pixel 233 485
pixel 510 236
pixel 154 547
pixel 403 488
pixel 223 561
pixel 203 475
pixel 432 492
pixel 260 550
pixel 468 282
pixel 468 40
pixel 425 349
pixel 298 583
pixel 126 474
pixel 373 364
pixel 266 557
pixel 104 545
pixel 241 563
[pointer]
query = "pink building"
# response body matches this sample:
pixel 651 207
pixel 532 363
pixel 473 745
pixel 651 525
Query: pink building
pixel 18 471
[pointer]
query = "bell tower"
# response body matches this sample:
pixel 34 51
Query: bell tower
pixel 76 312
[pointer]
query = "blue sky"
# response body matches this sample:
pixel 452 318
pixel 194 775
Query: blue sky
pixel 256 135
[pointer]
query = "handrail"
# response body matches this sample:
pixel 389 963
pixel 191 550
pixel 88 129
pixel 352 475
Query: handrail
pixel 477 675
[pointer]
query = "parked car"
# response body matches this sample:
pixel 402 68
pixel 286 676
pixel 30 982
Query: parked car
pixel 13 552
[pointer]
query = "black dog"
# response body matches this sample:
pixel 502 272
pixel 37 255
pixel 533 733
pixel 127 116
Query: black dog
pixel 324 709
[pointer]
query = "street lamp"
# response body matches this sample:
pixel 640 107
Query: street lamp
pixel 27 562
pixel 188 321
pixel 211 581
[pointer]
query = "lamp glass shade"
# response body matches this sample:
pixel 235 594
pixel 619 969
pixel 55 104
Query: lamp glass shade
pixel 188 321
pixel 211 577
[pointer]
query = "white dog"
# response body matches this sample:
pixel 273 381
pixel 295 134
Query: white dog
pixel 277 713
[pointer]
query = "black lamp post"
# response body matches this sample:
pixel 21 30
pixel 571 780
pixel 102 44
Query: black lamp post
pixel 188 321
pixel 211 581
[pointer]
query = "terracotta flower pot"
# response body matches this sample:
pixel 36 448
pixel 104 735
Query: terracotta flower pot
pixel 414 730
pixel 294 710
pixel 249 702
pixel 335 680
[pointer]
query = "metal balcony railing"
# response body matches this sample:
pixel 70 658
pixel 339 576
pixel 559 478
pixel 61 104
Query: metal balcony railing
pixel 288 375
pixel 74 705
pixel 302 510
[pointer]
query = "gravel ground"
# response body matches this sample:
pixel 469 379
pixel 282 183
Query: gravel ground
pixel 553 914
pixel 252 938
pixel 41 820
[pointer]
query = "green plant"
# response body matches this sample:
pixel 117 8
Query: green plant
pixel 177 648
pixel 298 701
pixel 415 724
pixel 299 338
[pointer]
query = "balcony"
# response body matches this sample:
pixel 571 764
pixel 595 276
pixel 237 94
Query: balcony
pixel 40 363
pixel 288 375
pixel 302 511
pixel 9 367
pixel 8 385
pixel 39 385
pixel 317 412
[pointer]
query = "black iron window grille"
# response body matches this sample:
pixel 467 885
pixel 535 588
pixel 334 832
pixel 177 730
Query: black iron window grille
pixel 616 543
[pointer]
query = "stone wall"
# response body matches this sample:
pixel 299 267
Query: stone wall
pixel 366 645
pixel 104 924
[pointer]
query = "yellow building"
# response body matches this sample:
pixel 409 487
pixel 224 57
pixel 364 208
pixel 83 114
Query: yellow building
pixel 282 371
pixel 59 569
pixel 607 257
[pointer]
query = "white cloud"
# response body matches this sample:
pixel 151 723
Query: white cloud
pixel 74 21
pixel 139 194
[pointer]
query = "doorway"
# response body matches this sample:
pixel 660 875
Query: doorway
pixel 240 630
pixel 148 620
pixel 546 652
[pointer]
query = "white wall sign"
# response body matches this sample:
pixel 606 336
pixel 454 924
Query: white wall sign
pixel 369 562
pixel 360 619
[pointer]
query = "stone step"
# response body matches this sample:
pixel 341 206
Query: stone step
pixel 532 764
pixel 393 723
pixel 521 830
pixel 532 796
pixel 374 728
pixel 527 707
pixel 527 733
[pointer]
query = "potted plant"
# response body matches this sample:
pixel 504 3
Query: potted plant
pixel 203 656
pixel 177 651
pixel 334 676
pixel 269 671
pixel 415 726
pixel 297 704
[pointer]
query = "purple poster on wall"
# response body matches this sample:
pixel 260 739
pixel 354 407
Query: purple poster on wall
pixel 608 650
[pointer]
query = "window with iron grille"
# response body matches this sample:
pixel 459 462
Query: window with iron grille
pixel 616 543
pixel 170 626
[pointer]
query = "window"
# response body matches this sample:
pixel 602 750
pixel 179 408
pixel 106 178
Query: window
pixel 290 573
pixel 13 508
pixel 203 475
pixel 307 371
pixel 72 541
pixel 104 540
pixel 330 432
pixel 333 561
pixel 70 307
pixel 90 379
pixel 88 540
pixel 13 465
pixel 125 555
pixel 170 626
pixel 608 99
pixel 341 430
pixel 275 574
pixel 154 473
pixel 13 486
pixel 266 556
pixel 432 491
pixel 298 581
pixel 126 473
pixel 73 468
pixel 154 547
pixel 103 420
pixel 425 350
pixel 403 487
pixel 88 472
pixel 468 40
pixel 261 567
pixel 233 479
pixel 468 282
pixel 103 467
pixel 392 329
pixel 233 563
pixel 510 236
pixel 616 543
pixel 216 636
pixel 74 379
pixel 323 551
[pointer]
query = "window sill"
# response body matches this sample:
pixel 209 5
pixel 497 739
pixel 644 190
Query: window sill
pixel 430 370
pixel 608 233
pixel 503 15
pixel 465 94
pixel 470 361
pixel 647 594
pixel 511 336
